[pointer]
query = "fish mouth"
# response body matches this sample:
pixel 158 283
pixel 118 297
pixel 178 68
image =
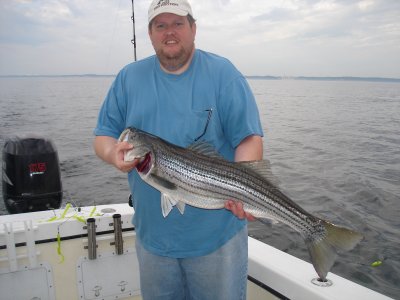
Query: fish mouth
pixel 144 164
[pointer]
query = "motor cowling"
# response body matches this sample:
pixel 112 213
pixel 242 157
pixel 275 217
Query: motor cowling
pixel 30 175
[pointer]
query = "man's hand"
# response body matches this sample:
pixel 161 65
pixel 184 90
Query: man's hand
pixel 251 148
pixel 236 207
pixel 119 162
pixel 112 152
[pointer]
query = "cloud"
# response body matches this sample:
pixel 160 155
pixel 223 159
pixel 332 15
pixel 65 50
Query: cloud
pixel 33 22
pixel 293 37
pixel 64 37
pixel 308 37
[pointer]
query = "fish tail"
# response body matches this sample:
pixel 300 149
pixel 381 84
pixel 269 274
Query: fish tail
pixel 324 247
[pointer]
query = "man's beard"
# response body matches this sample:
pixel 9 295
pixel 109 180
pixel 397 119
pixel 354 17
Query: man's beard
pixel 174 62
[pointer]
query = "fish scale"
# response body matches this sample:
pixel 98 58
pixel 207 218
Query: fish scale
pixel 211 175
pixel 197 177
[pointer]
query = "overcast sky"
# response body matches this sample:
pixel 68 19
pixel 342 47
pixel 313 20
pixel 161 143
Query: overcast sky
pixel 261 37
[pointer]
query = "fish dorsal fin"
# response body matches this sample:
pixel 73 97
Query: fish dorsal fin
pixel 262 168
pixel 205 148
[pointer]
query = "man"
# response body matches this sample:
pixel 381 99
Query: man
pixel 183 95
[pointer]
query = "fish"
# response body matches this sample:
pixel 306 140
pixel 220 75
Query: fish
pixel 200 177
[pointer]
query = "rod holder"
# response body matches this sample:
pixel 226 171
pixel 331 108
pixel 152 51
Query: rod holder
pixel 119 243
pixel 92 246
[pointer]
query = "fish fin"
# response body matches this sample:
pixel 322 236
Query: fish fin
pixel 181 207
pixel 268 221
pixel 205 148
pixel 168 203
pixel 323 250
pixel 163 182
pixel 260 215
pixel 262 168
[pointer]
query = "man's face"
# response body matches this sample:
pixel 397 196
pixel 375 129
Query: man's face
pixel 173 40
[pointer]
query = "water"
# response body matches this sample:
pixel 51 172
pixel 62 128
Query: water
pixel 63 109
pixel 333 145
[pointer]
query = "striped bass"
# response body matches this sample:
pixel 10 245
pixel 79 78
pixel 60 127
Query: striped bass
pixel 199 177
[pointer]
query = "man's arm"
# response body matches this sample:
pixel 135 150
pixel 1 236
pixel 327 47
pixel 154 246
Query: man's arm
pixel 112 152
pixel 251 148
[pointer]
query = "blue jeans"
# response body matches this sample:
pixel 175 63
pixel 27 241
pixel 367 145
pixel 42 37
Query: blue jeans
pixel 219 275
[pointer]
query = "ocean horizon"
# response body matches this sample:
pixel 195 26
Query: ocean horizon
pixel 250 77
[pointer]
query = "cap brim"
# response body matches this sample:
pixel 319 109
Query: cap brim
pixel 167 10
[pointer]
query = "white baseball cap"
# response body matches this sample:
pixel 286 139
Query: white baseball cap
pixel 176 7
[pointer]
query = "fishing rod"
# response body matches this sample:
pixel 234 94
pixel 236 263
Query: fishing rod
pixel 133 40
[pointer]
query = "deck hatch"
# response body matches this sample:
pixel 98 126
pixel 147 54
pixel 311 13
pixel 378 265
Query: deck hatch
pixel 107 277
pixel 27 283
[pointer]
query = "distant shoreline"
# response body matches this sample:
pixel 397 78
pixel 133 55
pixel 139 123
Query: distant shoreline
pixel 256 77
pixel 343 78
pixel 38 76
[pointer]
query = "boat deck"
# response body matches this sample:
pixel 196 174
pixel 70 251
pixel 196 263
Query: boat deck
pixel 60 255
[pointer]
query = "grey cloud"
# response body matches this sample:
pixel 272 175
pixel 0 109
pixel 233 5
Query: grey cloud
pixel 276 15
pixel 33 23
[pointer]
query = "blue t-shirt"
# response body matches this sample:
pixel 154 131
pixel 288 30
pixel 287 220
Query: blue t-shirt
pixel 210 101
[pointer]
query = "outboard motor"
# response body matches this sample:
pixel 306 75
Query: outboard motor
pixel 31 175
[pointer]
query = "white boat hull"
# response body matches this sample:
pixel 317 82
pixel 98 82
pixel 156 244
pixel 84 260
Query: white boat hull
pixel 33 264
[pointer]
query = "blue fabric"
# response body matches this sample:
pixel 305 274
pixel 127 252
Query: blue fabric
pixel 220 275
pixel 176 108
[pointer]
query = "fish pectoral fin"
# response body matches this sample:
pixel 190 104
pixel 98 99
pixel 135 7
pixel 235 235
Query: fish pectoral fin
pixel 163 182
pixel 168 203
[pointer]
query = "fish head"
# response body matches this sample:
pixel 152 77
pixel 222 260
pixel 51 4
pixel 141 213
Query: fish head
pixel 142 147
